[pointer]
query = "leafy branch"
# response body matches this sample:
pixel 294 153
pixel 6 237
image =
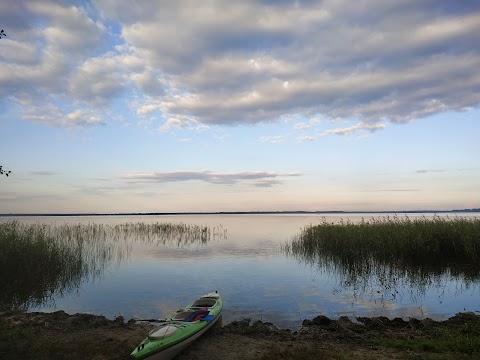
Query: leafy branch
pixel 4 172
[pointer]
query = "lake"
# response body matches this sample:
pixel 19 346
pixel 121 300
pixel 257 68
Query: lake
pixel 242 258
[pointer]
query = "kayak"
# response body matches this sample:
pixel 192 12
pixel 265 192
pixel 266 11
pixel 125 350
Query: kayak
pixel 177 332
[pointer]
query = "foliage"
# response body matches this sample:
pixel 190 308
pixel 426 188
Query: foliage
pixel 4 172
pixel 438 241
pixel 34 266
pixel 40 262
pixel 455 340
pixel 384 253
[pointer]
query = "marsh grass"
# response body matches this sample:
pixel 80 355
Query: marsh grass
pixel 457 341
pixel 385 252
pixel 306 351
pixel 40 262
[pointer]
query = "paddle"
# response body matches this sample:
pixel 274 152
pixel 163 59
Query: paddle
pixel 140 321
pixel 152 320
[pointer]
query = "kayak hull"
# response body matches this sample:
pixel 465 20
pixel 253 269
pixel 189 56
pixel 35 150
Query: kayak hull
pixel 179 331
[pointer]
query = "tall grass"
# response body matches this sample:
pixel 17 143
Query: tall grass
pixel 391 249
pixel 40 262
pixel 33 265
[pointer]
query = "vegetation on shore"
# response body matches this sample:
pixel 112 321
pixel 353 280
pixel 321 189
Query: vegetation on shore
pixel 81 336
pixel 390 240
pixel 383 253
pixel 39 262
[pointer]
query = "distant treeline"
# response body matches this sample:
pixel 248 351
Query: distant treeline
pixel 252 213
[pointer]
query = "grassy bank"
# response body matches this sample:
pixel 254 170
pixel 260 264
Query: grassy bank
pixel 81 336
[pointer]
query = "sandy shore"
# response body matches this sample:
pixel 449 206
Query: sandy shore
pixel 58 335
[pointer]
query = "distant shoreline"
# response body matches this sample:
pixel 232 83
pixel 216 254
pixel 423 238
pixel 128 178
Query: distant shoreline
pixel 248 213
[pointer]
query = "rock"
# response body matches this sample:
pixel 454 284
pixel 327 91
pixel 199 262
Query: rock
pixel 119 320
pixel 318 321
pixel 398 323
pixel 463 318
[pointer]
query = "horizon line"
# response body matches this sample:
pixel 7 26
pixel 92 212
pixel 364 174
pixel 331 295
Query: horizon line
pixel 149 213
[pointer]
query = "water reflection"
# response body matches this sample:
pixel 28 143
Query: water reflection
pixel 390 259
pixel 146 275
pixel 40 263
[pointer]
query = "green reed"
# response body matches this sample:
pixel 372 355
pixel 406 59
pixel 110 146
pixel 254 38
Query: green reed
pixel 390 250
pixel 33 265
pixel 40 262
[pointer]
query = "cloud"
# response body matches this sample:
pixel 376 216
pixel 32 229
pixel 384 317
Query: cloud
pixel 392 190
pixel 52 115
pixel 306 138
pixel 68 28
pixel 181 122
pixel 44 173
pixel 425 171
pixel 97 80
pixel 4 196
pixel 257 178
pixel 259 61
pixel 273 139
pixel 150 82
pixel 377 62
pixel 354 128
pixel 306 125
pixel 267 183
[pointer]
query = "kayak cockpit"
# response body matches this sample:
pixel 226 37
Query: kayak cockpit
pixel 162 332
pixel 204 303
pixel 182 315
pixel 191 315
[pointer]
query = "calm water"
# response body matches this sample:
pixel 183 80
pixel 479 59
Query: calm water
pixel 244 262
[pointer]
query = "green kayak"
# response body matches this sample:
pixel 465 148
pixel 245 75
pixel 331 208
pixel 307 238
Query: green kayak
pixel 176 333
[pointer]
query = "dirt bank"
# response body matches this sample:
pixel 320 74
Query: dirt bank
pixel 82 336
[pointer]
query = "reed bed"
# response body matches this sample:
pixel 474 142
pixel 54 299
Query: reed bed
pixel 40 262
pixel 33 266
pixel 384 252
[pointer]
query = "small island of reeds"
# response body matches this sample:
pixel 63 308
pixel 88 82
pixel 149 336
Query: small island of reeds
pixel 382 252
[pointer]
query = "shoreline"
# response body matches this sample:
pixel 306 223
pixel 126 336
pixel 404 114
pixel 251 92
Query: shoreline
pixel 58 335
pixel 280 212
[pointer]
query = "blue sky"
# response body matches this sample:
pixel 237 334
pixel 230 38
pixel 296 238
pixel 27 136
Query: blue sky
pixel 134 106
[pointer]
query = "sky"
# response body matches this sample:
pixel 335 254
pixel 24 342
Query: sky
pixel 178 106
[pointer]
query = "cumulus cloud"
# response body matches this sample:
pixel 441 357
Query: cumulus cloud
pixel 68 28
pixel 149 82
pixel 377 62
pixel 247 62
pixel 52 115
pixel 98 79
pixel 256 178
